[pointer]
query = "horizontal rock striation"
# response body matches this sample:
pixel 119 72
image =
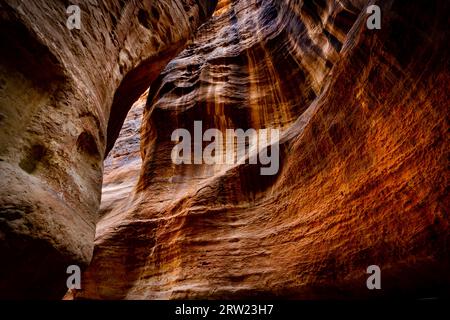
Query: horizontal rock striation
pixel 64 95
pixel 363 176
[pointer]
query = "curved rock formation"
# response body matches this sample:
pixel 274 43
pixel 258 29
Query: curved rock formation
pixel 63 97
pixel 363 176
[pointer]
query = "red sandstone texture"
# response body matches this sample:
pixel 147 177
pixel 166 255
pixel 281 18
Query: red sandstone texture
pixel 363 177
pixel 64 95
pixel 364 149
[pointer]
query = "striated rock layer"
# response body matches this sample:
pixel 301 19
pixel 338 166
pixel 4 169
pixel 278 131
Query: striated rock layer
pixel 64 95
pixel 363 177
pixel 123 164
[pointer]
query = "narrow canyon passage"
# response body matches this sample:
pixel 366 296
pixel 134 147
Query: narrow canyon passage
pixel 64 94
pixel 355 109
pixel 89 176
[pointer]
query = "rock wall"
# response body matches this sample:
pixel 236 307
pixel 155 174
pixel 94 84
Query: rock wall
pixel 123 164
pixel 64 95
pixel 363 177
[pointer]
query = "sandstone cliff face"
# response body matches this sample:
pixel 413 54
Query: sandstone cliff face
pixel 63 98
pixel 124 161
pixel 363 177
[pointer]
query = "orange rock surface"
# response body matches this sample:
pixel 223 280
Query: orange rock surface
pixel 363 149
pixel 363 176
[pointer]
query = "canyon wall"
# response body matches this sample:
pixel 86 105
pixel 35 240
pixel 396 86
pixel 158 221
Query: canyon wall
pixel 64 95
pixel 363 177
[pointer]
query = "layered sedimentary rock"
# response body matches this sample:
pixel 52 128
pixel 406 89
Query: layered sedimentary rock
pixel 363 176
pixel 123 164
pixel 63 97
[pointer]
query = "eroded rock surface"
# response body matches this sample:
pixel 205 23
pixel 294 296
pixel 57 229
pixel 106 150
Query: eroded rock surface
pixel 63 97
pixel 363 178
pixel 124 161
